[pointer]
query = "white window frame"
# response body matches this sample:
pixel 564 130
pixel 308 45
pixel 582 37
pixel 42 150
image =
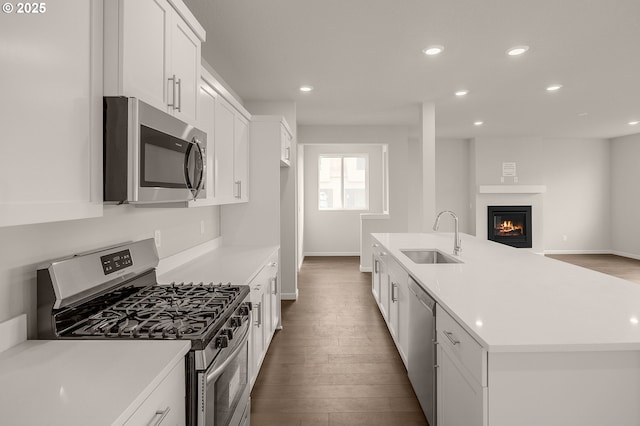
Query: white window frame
pixel 366 181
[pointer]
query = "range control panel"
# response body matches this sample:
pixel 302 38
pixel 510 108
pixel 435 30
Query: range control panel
pixel 116 261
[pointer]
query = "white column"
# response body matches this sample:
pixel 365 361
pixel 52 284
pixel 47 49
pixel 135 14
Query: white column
pixel 428 143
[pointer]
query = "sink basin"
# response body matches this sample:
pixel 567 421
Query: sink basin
pixel 429 256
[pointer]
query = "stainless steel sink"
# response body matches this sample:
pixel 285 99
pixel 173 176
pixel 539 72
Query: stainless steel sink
pixel 429 256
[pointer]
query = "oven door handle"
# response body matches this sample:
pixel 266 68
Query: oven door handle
pixel 219 369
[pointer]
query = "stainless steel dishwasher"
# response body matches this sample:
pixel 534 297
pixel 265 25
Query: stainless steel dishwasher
pixel 421 357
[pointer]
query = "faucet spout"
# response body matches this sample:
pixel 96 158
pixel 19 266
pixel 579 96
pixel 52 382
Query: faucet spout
pixel 457 249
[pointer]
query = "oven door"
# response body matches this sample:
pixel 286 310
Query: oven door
pixel 225 384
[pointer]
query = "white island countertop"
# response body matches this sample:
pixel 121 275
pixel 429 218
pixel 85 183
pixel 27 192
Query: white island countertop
pixel 512 300
pixel 82 382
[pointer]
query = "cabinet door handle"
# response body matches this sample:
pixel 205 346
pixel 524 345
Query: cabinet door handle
pixel 238 188
pixel 393 292
pixel 179 84
pixel 273 264
pixel 159 416
pixel 375 267
pixel 449 335
pixel 275 285
pixel 375 245
pixel 172 79
pixel 288 154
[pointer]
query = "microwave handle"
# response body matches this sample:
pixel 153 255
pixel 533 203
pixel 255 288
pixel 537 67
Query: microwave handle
pixel 203 172
pixel 196 143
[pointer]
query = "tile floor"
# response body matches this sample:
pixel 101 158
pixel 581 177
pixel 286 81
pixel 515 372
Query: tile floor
pixel 334 362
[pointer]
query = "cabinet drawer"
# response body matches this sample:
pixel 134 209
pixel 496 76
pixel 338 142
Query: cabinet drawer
pixel 464 348
pixel 166 402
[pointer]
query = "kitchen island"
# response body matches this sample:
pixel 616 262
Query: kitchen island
pixel 523 339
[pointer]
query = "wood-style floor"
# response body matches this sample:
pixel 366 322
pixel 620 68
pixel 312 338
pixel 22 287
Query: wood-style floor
pixel 334 362
pixel 618 266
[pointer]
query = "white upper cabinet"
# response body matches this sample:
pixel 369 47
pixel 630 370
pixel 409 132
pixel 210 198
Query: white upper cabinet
pixel 152 52
pixel 226 123
pixel 285 145
pixel 241 158
pixel 51 114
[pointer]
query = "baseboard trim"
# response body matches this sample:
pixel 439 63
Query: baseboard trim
pixel 578 252
pixel 366 268
pixel 336 253
pixel 179 259
pixel 623 254
pixel 289 296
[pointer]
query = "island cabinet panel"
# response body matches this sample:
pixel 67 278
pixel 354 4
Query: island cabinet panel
pixel 564 388
pixel 399 307
pixel 461 374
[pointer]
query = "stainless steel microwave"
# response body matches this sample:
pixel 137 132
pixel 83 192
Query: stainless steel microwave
pixel 150 156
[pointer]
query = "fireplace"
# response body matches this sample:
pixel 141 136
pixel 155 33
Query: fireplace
pixel 510 225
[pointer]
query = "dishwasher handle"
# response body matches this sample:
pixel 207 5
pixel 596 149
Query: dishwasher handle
pixel 422 296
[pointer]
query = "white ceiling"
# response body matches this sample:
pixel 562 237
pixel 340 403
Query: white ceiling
pixel 364 59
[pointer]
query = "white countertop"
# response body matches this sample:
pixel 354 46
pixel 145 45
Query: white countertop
pixel 512 300
pixel 227 264
pixel 82 382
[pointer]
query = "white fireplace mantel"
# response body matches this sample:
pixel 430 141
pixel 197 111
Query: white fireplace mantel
pixel 512 189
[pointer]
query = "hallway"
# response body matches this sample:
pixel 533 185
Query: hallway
pixel 334 363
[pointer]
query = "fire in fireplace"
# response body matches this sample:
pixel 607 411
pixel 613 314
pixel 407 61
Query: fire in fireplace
pixel 510 225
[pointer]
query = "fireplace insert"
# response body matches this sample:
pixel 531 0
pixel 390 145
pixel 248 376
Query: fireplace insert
pixel 510 225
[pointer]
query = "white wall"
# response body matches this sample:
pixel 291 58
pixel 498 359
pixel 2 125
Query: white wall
pixel 337 232
pixel 24 248
pixel 577 175
pixel 625 195
pixel 396 137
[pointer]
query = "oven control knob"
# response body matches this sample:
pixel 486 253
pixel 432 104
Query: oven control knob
pixel 235 321
pixel 227 332
pixel 222 342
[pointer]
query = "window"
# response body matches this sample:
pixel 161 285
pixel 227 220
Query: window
pixel 342 182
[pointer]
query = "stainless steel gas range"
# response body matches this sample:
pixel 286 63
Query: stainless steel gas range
pixel 113 293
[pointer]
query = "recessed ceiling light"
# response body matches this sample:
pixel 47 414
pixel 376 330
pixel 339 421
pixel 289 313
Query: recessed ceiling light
pixel 306 88
pixel 633 123
pixel 433 50
pixel 554 87
pixel 583 114
pixel 478 123
pixel 517 50
pixel 461 92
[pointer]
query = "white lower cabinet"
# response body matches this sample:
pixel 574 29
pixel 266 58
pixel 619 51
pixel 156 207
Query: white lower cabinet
pixel 399 307
pixel 390 287
pixel 461 375
pixel 166 404
pixel 265 300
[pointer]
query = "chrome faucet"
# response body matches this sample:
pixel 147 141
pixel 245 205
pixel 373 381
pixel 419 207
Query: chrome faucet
pixel 456 243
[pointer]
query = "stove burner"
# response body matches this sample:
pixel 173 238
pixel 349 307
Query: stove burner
pixel 176 311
